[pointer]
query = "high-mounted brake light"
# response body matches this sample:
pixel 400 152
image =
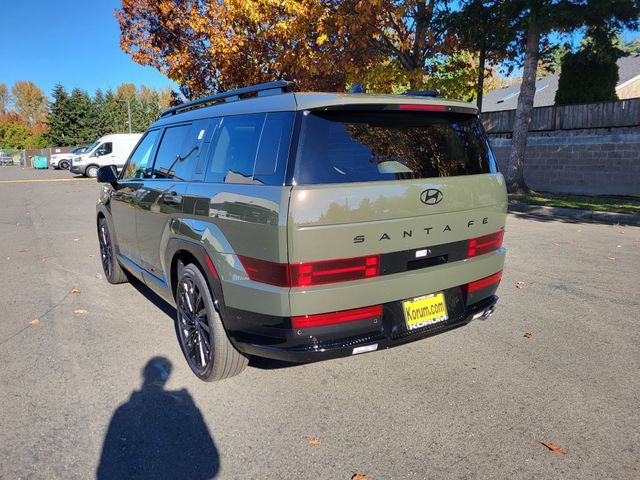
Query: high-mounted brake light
pixel 322 319
pixel 484 282
pixel 485 244
pixel 332 271
pixel 426 108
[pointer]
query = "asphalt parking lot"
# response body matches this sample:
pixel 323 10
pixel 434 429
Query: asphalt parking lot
pixel 473 403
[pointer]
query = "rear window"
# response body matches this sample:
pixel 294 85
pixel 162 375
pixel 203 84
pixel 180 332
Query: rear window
pixel 366 146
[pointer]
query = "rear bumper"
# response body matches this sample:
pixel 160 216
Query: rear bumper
pixel 350 338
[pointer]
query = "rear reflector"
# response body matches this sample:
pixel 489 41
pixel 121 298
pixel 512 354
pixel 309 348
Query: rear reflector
pixel 332 271
pixel 485 244
pixel 266 272
pixel 484 282
pixel 322 319
pixel 212 269
pixel 424 108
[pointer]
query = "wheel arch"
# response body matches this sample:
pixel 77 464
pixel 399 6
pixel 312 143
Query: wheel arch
pixel 183 251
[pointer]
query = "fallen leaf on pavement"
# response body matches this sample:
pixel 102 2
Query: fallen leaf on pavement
pixel 528 335
pixel 619 246
pixel 35 321
pixel 358 476
pixel 80 311
pixel 611 258
pixel 553 448
pixel 76 239
pixel 75 290
pixel 91 256
pixel 314 441
pixel 519 284
pixel 556 244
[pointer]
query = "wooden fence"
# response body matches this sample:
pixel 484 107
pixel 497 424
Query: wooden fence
pixel 622 113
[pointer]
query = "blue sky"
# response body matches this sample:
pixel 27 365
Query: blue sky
pixel 74 42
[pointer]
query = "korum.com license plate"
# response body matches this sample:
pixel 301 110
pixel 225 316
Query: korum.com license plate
pixel 425 310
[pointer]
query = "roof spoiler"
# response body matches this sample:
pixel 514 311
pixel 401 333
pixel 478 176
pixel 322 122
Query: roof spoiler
pixel 260 90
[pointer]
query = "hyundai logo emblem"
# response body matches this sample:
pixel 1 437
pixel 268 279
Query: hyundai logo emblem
pixel 431 196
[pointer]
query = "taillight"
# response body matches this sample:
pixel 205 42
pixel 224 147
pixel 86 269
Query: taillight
pixel 485 244
pixel 322 319
pixel 332 271
pixel 266 272
pixel 484 282
pixel 426 108
pixel 311 273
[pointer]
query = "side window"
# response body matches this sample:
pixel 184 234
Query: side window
pixel 274 148
pixel 233 150
pixel 140 162
pixel 169 152
pixel 192 150
pixel 104 149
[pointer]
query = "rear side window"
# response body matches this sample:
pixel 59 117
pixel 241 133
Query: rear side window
pixel 140 162
pixel 251 149
pixel 234 149
pixel 351 146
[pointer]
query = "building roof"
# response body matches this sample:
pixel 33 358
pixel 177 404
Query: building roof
pixel 506 98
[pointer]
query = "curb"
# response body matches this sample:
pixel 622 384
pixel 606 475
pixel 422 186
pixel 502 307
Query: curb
pixel 588 215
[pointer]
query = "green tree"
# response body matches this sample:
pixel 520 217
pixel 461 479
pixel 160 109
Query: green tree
pixel 13 135
pixel 4 99
pixel 58 120
pixel 590 74
pixel 533 21
pixel 479 26
pixel 83 118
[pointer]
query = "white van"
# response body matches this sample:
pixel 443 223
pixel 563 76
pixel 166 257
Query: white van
pixel 108 150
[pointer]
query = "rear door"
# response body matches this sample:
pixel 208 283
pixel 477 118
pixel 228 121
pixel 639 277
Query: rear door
pixel 125 198
pixel 163 196
pixel 409 186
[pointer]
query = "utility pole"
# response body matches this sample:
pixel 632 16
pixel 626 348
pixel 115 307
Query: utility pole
pixel 128 102
pixel 129 113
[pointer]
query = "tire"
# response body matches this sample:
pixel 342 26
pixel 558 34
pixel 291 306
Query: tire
pixel 110 266
pixel 63 165
pixel 91 171
pixel 202 337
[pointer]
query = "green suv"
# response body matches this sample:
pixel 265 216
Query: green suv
pixel 307 226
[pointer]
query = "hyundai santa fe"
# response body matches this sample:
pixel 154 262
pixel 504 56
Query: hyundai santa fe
pixel 308 226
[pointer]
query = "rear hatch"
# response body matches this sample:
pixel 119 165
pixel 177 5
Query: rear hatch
pixel 400 189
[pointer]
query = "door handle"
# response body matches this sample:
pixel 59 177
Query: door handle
pixel 172 198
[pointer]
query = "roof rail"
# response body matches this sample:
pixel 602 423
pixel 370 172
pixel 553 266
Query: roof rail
pixel 423 93
pixel 261 90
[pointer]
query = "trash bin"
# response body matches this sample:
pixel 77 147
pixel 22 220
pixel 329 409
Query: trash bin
pixel 39 161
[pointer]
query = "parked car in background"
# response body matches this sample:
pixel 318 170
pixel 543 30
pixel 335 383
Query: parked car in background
pixel 307 226
pixel 61 161
pixel 108 150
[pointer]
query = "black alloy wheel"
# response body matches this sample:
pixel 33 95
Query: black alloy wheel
pixel 202 336
pixel 193 326
pixel 110 266
pixel 63 165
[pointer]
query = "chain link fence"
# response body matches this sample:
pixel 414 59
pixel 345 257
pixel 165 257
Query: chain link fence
pixel 24 158
pixel 10 157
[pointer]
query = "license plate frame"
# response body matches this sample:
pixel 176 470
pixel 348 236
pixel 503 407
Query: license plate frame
pixel 424 311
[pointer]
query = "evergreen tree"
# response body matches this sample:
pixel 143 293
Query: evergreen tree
pixel 58 121
pixel 83 118
pixel 590 74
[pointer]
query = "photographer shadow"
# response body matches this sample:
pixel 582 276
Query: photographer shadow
pixel 158 434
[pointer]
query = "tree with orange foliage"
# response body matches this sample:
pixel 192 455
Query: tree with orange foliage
pixel 207 45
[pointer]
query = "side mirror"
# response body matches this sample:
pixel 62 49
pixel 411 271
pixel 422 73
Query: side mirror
pixel 108 174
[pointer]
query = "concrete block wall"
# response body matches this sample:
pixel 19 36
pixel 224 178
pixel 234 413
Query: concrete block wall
pixel 579 162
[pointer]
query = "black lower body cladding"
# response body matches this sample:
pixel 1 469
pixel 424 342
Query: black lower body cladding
pixel 273 337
